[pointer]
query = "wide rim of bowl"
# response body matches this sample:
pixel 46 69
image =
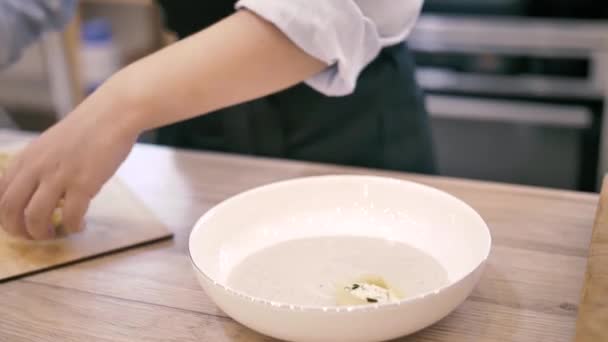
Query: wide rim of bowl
pixel 334 308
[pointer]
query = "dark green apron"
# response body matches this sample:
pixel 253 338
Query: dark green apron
pixel 383 124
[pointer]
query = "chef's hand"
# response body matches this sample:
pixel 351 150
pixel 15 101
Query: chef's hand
pixel 240 58
pixel 72 160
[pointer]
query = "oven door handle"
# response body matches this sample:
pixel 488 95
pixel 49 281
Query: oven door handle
pixel 509 111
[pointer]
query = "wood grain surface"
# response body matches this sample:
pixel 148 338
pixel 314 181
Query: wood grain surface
pixel 529 292
pixel 592 324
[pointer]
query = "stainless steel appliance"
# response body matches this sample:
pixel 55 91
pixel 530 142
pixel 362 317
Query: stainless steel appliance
pixel 516 99
pixel 580 9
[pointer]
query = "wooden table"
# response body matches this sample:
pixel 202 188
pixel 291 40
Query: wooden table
pixel 529 292
pixel 592 323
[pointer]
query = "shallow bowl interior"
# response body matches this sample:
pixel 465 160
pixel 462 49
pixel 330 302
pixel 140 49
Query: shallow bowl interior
pixel 420 216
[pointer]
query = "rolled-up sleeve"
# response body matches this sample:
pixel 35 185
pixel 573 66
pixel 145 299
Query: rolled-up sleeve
pixel 340 33
pixel 23 21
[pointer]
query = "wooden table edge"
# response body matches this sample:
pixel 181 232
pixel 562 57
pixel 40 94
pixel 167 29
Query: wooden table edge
pixel 592 320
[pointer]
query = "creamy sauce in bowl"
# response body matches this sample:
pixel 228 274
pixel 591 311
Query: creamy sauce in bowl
pixel 310 271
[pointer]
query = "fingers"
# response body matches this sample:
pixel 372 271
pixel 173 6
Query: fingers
pixel 27 211
pixel 8 174
pixel 40 209
pixel 74 208
pixel 13 202
pixel 27 207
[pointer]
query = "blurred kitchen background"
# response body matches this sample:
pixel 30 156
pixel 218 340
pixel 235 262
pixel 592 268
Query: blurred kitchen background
pixel 517 89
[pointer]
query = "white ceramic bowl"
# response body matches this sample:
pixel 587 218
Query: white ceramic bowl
pixel 426 218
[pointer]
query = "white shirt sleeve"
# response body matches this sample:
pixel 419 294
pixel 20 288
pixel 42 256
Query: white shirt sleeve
pixel 345 34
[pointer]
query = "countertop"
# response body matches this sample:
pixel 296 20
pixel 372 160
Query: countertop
pixel 530 290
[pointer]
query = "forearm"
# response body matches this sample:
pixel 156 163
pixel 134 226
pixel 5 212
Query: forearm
pixel 240 58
